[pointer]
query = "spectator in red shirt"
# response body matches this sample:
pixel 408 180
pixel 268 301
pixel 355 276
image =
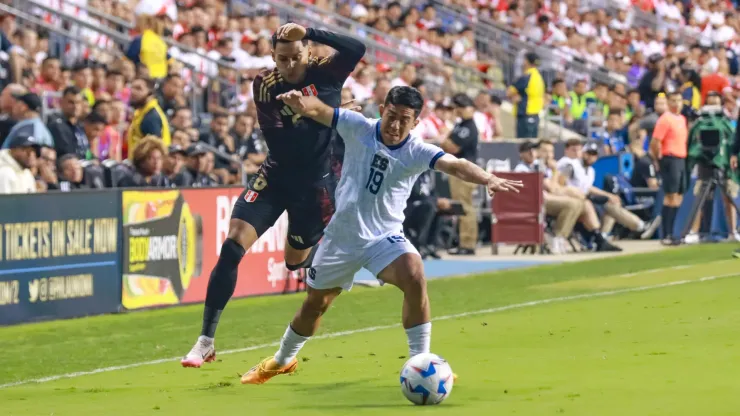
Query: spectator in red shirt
pixel 715 82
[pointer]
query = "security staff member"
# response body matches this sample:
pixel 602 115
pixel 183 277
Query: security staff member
pixel 669 146
pixel 463 143
pixel 149 118
pixel 528 93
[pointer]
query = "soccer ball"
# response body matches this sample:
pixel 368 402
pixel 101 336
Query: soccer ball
pixel 426 379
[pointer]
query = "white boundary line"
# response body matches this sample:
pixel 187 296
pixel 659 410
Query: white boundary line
pixel 381 327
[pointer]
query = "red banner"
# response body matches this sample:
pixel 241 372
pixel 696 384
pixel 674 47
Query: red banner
pixel 172 241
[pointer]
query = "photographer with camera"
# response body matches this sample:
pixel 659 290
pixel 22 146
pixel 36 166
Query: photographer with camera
pixel 712 148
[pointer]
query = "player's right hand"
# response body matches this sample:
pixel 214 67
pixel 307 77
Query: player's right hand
pixel 291 32
pixel 294 100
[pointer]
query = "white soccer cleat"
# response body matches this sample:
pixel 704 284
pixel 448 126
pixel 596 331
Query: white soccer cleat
pixel 692 238
pixel 203 351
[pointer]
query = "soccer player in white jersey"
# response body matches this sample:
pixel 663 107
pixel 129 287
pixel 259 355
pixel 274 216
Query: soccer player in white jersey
pixel 381 163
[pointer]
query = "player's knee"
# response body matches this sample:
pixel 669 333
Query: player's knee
pixel 415 282
pixel 242 232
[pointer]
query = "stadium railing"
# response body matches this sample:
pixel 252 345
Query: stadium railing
pixel 469 78
pixel 493 37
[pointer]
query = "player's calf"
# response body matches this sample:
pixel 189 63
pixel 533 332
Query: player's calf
pixel 407 273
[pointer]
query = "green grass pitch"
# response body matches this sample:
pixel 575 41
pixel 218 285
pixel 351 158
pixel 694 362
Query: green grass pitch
pixel 632 335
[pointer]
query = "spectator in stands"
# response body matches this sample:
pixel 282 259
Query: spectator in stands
pixel 47 169
pixel 27 114
pixel 149 48
pixel 147 161
pixel 250 145
pixel 82 78
pixel 68 136
pixel 14 69
pixel 372 108
pixel 50 79
pixel 182 118
pixel 463 143
pixel 115 86
pixel 174 163
pixel 653 82
pixel 182 139
pixel 192 175
pixel 71 174
pixel 712 81
pixel 171 94
pixel 566 209
pixel 7 102
pixel 561 101
pixel 406 77
pixel 528 93
pixel 93 125
pixel 222 91
pixel 487 117
pixel 692 99
pixel 148 119
pixel 614 136
pixel 669 145
pixel 109 145
pixel 16 163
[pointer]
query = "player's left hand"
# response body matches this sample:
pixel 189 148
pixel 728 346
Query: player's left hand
pixel 496 184
pixel 291 32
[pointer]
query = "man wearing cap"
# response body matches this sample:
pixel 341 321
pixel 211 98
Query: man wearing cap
pixel 16 163
pixel 669 145
pixel 528 93
pixel 191 175
pixel 174 163
pixel 26 111
pixel 653 82
pixel 463 143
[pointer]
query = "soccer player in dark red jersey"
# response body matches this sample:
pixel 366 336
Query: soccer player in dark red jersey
pixel 297 175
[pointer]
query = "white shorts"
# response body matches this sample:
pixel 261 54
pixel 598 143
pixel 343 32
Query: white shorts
pixel 334 267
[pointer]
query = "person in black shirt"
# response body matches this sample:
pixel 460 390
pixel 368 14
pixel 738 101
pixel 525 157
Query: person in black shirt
pixel 296 176
pixel 147 162
pixel 644 174
pixel 71 174
pixel 463 143
pixel 653 82
pixel 222 93
pixel 64 128
pixel 190 175
pixel 421 215
pixel 174 163
pixel 249 143
pixel 171 94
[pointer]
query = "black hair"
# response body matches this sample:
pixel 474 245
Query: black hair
pixel 617 112
pixel 113 72
pixel 148 81
pixel 178 109
pixel 98 104
pixel 557 81
pixel 407 97
pixel 71 90
pixel 63 158
pixel 219 114
pixel 94 117
pixel 393 4
pixel 170 77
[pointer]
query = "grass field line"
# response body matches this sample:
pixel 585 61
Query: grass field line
pixel 382 327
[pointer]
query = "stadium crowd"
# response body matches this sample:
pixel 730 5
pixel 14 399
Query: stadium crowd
pixel 110 118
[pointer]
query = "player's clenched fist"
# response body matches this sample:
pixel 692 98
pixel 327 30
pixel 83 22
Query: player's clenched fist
pixel 291 32
pixel 294 100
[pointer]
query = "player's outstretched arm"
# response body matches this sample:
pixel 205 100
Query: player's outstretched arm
pixel 470 172
pixel 349 50
pixel 308 106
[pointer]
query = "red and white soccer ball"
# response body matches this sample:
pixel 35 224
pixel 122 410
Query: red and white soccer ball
pixel 426 379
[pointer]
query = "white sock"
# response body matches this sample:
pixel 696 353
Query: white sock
pixel 642 226
pixel 289 346
pixel 205 340
pixel 419 337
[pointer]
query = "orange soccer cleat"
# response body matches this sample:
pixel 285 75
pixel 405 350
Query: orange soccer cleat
pixel 266 370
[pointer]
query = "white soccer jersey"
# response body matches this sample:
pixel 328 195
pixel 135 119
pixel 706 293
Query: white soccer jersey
pixel 376 181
